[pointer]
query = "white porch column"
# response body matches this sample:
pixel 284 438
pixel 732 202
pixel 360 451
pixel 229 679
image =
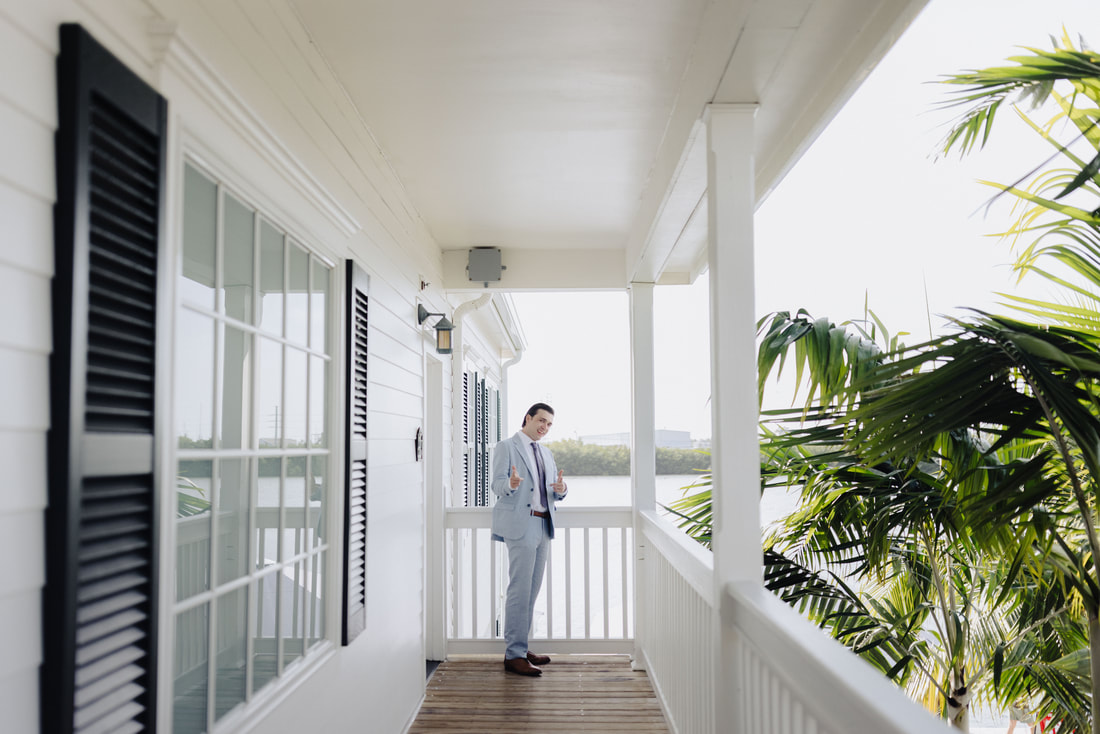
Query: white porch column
pixel 735 453
pixel 643 444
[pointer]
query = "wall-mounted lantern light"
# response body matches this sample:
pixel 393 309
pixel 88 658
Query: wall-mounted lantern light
pixel 443 329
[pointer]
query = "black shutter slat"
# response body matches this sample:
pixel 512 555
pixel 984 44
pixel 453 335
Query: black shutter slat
pixel 119 678
pixel 100 613
pixel 107 627
pixel 354 614
pixel 92 675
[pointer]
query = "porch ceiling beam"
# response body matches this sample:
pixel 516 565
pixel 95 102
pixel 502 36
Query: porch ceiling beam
pixel 755 53
pixel 541 270
pixel 717 40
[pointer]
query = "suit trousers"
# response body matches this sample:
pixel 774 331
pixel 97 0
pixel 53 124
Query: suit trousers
pixel 526 565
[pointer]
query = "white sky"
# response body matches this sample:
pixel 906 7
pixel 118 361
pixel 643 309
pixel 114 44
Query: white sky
pixel 865 214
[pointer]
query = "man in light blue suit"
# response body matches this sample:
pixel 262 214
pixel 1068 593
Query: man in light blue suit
pixel 527 484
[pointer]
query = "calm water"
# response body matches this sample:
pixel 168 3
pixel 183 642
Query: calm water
pixel 614 491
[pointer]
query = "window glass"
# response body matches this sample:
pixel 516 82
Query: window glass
pixel 297 392
pixel 232 639
pixel 271 279
pixel 295 612
pixel 200 231
pixel 318 399
pixel 316 598
pixel 237 276
pixel 317 484
pixel 190 656
pixel 297 296
pixel 236 408
pixel 269 497
pixel 194 486
pixel 234 495
pixel 265 647
pixel 194 413
pixel 272 415
pixel 318 307
pixel 251 380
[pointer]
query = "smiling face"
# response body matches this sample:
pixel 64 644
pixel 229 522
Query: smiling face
pixel 537 426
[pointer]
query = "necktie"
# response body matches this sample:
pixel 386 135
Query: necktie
pixel 542 476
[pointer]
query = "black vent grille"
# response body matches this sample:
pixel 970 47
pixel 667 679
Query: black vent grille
pixel 122 273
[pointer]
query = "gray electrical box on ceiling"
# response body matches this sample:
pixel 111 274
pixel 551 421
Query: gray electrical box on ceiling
pixel 484 265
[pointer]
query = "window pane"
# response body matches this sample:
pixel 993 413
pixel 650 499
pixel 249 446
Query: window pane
pixel 317 598
pixel 233 504
pixel 193 483
pixel 268 496
pixel 237 273
pixel 295 603
pixel 297 387
pixel 298 528
pixel 194 380
pixel 232 636
pixel 236 389
pixel 318 498
pixel 192 630
pixel 318 307
pixel 200 222
pixel 265 651
pixel 271 279
pixel 271 394
pixel 318 401
pixel 297 298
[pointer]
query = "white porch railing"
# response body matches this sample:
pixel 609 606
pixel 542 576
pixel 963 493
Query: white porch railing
pixel 790 678
pixel 586 604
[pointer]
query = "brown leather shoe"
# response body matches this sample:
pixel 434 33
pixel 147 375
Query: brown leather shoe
pixel 520 666
pixel 537 659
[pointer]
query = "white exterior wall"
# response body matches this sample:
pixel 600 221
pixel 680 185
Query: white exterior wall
pixel 250 97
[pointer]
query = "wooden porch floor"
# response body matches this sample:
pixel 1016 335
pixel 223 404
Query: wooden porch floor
pixel 471 694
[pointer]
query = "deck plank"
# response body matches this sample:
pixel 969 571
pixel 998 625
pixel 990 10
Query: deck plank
pixel 582 694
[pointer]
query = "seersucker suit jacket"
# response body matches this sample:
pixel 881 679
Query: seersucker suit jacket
pixel 512 511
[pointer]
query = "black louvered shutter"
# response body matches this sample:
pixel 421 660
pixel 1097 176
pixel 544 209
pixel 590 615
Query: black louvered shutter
pixel 355 500
pixel 466 439
pixel 482 444
pixel 100 611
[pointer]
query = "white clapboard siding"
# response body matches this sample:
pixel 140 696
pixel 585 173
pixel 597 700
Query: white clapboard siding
pixel 266 64
pixel 26 147
pixel 24 391
pixel 32 89
pixel 25 301
pixel 28 116
pixel 28 228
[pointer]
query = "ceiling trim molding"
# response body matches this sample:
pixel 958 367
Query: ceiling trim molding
pixel 171 50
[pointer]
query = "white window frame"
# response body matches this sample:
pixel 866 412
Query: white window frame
pixel 189 151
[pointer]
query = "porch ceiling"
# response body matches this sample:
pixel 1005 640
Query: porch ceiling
pixel 551 129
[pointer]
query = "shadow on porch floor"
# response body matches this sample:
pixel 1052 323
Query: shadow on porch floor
pixel 582 694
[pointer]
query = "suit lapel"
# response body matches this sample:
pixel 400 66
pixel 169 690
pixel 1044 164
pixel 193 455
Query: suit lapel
pixel 528 457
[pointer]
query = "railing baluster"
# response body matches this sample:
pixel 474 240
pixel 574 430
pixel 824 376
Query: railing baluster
pixel 624 555
pixel 494 609
pixel 473 582
pixel 568 584
pixel 456 590
pixel 606 588
pixel 587 591
pixel 549 586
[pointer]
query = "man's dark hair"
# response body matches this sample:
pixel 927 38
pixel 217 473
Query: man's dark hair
pixel 534 410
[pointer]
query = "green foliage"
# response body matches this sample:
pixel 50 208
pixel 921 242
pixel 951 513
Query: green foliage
pixel 577 458
pixel 947 530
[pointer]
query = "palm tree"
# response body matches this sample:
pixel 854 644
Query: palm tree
pixel 879 554
pixel 984 442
